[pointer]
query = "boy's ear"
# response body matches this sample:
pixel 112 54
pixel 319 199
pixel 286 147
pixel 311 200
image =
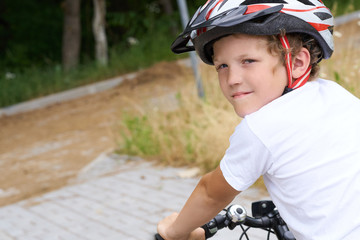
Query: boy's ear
pixel 301 63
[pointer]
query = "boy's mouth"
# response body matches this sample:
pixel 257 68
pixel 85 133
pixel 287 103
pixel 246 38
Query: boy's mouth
pixel 240 94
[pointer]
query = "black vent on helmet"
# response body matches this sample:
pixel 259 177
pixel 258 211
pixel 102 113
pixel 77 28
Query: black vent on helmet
pixel 250 2
pixel 322 15
pixel 307 2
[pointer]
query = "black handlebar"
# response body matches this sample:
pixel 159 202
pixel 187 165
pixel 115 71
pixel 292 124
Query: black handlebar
pixel 236 215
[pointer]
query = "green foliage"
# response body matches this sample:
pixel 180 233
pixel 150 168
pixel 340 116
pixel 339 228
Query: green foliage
pixel 31 33
pixel 342 7
pixel 139 138
pixel 127 20
pixel 21 85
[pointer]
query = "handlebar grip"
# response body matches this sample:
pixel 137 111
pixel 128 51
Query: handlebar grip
pixel 209 229
pixel 214 225
pixel 158 237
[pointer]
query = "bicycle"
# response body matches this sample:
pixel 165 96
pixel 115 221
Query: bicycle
pixel 265 216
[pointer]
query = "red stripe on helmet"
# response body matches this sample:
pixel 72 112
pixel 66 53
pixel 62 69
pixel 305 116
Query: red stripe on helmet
pixel 255 8
pixel 320 26
pixel 200 31
pixel 212 9
pixel 302 10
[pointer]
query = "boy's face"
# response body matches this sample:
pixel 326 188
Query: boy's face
pixel 250 77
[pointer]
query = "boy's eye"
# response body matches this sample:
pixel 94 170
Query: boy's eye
pixel 221 66
pixel 247 61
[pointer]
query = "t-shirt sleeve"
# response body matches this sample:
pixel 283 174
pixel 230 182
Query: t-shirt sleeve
pixel 246 159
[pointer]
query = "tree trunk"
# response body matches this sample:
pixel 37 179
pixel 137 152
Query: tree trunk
pixel 168 9
pixel 101 48
pixel 71 34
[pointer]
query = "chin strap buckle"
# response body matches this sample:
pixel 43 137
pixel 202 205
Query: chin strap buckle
pixel 286 90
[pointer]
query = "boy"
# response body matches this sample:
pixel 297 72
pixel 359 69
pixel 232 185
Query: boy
pixel 302 136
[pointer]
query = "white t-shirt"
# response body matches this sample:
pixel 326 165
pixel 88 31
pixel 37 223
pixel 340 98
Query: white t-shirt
pixel 306 144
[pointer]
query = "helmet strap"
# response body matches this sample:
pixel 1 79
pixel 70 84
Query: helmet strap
pixel 288 62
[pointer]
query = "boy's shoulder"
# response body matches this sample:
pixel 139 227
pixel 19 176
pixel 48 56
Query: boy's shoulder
pixel 317 95
pixel 311 104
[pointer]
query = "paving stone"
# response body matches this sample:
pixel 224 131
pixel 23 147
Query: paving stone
pixel 126 205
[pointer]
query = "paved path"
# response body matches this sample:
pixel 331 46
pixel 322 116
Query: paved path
pixel 125 205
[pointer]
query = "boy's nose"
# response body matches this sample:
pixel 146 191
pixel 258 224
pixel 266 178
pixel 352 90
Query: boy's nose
pixel 234 77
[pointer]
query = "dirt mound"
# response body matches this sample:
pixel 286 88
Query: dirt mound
pixel 44 149
pixel 161 71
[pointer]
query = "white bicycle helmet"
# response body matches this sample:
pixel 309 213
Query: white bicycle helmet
pixel 218 18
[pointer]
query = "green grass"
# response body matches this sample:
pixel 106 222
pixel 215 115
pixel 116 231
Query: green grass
pixel 138 136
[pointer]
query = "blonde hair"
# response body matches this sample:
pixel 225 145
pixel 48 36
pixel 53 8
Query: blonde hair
pixel 297 41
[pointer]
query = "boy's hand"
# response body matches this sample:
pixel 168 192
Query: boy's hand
pixel 165 230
